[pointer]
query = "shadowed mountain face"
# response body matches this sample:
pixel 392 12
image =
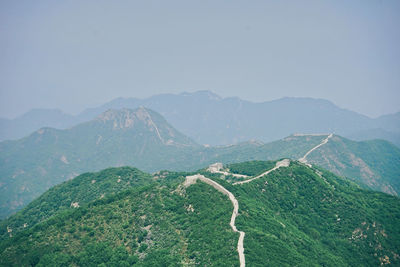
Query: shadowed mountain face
pixel 144 139
pixel 294 216
pixel 210 119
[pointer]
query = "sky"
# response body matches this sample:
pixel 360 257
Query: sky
pixel 73 55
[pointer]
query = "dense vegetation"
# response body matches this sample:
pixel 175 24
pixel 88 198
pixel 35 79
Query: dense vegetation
pixel 143 138
pixel 147 226
pixel 30 166
pixel 295 216
pixel 77 192
pixel 251 168
pixel 374 164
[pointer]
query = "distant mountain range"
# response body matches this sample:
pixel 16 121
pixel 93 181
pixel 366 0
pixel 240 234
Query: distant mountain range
pixel 293 216
pixel 209 119
pixel 144 139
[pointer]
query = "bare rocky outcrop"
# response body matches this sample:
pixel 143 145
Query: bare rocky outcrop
pixel 64 159
pixel 75 204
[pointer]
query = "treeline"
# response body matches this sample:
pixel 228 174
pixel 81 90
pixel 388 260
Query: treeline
pixel 147 226
pixel 251 168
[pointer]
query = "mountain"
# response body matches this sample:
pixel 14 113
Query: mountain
pixel 211 119
pixel 389 122
pixel 294 215
pixel 374 163
pixel 143 138
pixel 33 120
pixel 379 133
pixel 76 192
pixel 31 165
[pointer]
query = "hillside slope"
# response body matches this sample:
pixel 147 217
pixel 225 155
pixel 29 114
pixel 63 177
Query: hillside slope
pixel 294 215
pixel 211 119
pixel 148 226
pixel 74 193
pixel 22 126
pixel 144 139
pixel 374 164
pixel 31 165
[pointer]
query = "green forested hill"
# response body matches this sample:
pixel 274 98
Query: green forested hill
pixel 374 164
pixel 294 216
pixel 142 138
pixel 30 166
pixel 147 226
pixel 74 193
pixel 298 218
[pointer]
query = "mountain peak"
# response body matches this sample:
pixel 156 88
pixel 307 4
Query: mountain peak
pixel 143 121
pixel 203 93
pixel 126 118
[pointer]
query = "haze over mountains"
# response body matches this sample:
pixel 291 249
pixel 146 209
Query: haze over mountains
pixel 312 215
pixel 293 158
pixel 115 138
pixel 209 119
pixel 144 139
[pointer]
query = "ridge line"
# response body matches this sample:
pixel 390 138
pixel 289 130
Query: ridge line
pixel 240 248
pixel 304 158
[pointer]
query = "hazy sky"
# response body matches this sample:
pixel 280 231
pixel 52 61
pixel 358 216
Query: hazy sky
pixel 76 54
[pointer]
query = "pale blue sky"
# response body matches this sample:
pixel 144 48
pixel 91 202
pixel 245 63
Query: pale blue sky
pixel 76 54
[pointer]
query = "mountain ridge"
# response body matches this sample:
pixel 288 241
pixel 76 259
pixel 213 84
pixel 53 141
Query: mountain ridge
pixel 49 156
pixel 211 119
pixel 168 222
pixel 144 138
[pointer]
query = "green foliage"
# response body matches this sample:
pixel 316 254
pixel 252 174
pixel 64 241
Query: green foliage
pixel 82 190
pixel 294 216
pixel 252 168
pixel 30 166
pixel 373 164
pixel 147 226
